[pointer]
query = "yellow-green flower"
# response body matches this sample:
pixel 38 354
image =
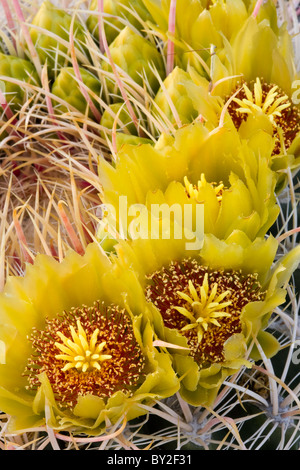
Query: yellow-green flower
pixel 215 301
pixel 246 61
pixel 262 96
pixel 205 25
pixel 76 346
pixel 231 178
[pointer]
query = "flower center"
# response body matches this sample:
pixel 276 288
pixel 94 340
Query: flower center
pixel 194 191
pixel 204 305
pixel 260 97
pixel 80 353
pixel 270 102
pixel 88 350
pixel 203 309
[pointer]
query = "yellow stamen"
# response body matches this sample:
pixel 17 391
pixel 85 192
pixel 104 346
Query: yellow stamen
pixel 81 353
pixel 203 308
pixel 271 106
pixel 194 192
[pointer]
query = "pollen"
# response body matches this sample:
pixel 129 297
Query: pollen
pixel 194 191
pixel 79 352
pixel 203 308
pixel 259 97
pixel 204 305
pixel 87 350
pixel 271 103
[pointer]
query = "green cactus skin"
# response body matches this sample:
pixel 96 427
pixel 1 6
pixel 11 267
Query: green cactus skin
pixel 107 119
pixel 175 84
pixel 107 122
pixel 58 22
pixel 67 88
pixel 113 25
pixel 189 93
pixel 20 69
pixel 134 54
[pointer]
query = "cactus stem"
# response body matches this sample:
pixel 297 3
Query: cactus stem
pixel 171 31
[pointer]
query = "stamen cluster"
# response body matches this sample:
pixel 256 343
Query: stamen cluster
pixel 259 97
pixel 205 305
pixel 193 191
pixel 101 358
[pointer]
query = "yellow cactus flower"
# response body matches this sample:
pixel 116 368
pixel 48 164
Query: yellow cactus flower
pixel 260 89
pixel 238 56
pixel 205 25
pixel 76 354
pixel 216 301
pixel 230 178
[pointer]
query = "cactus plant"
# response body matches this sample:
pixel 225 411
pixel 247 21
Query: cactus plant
pixel 155 110
pixel 50 27
pixel 137 57
pixel 67 88
pixel 118 14
pixel 22 70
